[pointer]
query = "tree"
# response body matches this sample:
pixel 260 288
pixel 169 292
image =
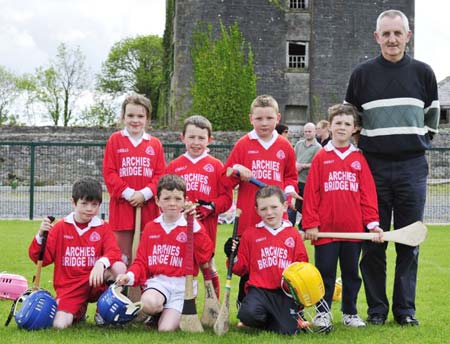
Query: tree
pixel 102 113
pixel 9 91
pixel 224 79
pixel 59 86
pixel 134 64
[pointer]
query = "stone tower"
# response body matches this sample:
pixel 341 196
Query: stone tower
pixel 304 50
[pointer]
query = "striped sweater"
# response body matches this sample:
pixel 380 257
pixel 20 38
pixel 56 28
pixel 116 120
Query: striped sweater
pixel 399 106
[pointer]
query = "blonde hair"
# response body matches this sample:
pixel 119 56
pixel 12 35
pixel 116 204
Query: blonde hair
pixel 264 101
pixel 198 121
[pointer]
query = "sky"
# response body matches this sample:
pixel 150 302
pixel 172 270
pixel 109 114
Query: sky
pixel 31 30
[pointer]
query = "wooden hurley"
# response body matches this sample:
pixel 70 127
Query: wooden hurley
pixel 134 293
pixel 222 324
pixel 211 305
pixel 189 321
pixel 411 235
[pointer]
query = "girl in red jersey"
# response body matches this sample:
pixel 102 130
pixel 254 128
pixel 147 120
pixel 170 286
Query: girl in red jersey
pixel 84 251
pixel 265 250
pixel 160 262
pixel 133 163
pixel 202 174
pixel 340 196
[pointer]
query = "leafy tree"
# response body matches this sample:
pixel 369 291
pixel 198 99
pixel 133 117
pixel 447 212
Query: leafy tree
pixel 134 64
pixel 224 79
pixel 9 91
pixel 102 113
pixel 59 86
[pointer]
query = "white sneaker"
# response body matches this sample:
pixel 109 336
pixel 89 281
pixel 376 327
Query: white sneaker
pixel 323 322
pixel 353 320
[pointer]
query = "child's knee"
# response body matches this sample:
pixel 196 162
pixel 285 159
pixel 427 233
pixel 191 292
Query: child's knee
pixel 62 320
pixel 152 304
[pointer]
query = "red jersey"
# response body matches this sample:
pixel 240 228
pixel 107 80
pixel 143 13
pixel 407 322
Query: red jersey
pixel 273 163
pixel 203 182
pixel 340 194
pixel 264 253
pixel 74 251
pixel 162 250
pixel 127 166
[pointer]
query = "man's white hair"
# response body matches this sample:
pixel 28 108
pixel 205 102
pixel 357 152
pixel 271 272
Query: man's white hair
pixel 393 14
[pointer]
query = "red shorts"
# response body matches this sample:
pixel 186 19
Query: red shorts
pixel 74 300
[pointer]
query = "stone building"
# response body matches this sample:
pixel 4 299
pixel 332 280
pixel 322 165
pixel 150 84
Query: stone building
pixel 444 101
pixel 304 50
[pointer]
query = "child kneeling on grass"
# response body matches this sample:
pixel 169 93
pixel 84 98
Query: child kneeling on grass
pixel 84 251
pixel 265 250
pixel 160 263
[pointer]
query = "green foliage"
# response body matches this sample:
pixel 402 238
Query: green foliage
pixel 102 114
pixel 167 68
pixel 9 91
pixel 134 65
pixel 224 79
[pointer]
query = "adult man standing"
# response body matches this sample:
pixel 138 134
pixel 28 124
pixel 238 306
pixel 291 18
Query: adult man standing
pixel 304 150
pixel 398 100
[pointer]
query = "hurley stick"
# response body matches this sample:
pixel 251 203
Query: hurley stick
pixel 222 324
pixel 134 293
pixel 211 305
pixel 254 181
pixel 411 235
pixel 37 277
pixel 189 321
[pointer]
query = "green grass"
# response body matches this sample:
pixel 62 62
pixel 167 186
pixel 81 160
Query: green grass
pixel 433 295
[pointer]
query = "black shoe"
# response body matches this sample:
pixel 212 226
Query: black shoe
pixel 376 319
pixel 407 320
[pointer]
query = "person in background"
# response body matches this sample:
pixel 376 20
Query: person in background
pixel 282 129
pixel 323 132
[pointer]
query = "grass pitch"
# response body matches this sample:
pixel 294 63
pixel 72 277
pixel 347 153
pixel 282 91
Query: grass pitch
pixel 432 302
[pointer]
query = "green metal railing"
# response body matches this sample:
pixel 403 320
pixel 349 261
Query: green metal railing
pixel 36 177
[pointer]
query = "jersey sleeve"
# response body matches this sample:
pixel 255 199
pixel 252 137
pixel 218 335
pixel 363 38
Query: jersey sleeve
pixel 290 173
pixel 432 107
pixel 311 196
pixel 139 266
pixel 242 263
pixel 114 183
pixel 203 247
pixel 110 249
pixel 159 166
pixel 369 199
pixel 50 248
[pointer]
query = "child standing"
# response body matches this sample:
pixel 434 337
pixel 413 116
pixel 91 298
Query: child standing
pixel 160 262
pixel 84 251
pixel 265 250
pixel 340 196
pixel 264 155
pixel 133 162
pixel 202 174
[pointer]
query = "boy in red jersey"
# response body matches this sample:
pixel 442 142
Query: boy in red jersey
pixel 84 251
pixel 265 250
pixel 134 161
pixel 202 174
pixel 160 262
pixel 264 155
pixel 340 196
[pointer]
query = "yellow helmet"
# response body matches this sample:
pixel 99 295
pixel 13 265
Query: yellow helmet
pixel 337 295
pixel 303 282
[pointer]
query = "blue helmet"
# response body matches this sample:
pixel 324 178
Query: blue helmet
pixel 115 308
pixel 37 312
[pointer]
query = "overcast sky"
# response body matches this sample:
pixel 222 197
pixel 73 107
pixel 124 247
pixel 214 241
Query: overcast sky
pixel 30 30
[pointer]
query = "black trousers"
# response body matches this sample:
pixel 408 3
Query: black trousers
pixel 401 189
pixel 326 258
pixel 269 310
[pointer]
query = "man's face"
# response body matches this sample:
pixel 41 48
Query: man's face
pixel 392 38
pixel 309 132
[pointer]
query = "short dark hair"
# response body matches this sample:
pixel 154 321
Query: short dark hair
pixel 88 189
pixel 343 109
pixel 269 191
pixel 281 128
pixel 171 182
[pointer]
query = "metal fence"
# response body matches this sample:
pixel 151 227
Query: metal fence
pixel 36 178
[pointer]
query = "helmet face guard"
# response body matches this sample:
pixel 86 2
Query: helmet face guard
pixel 37 312
pixel 302 282
pixel 115 308
pixel 12 286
